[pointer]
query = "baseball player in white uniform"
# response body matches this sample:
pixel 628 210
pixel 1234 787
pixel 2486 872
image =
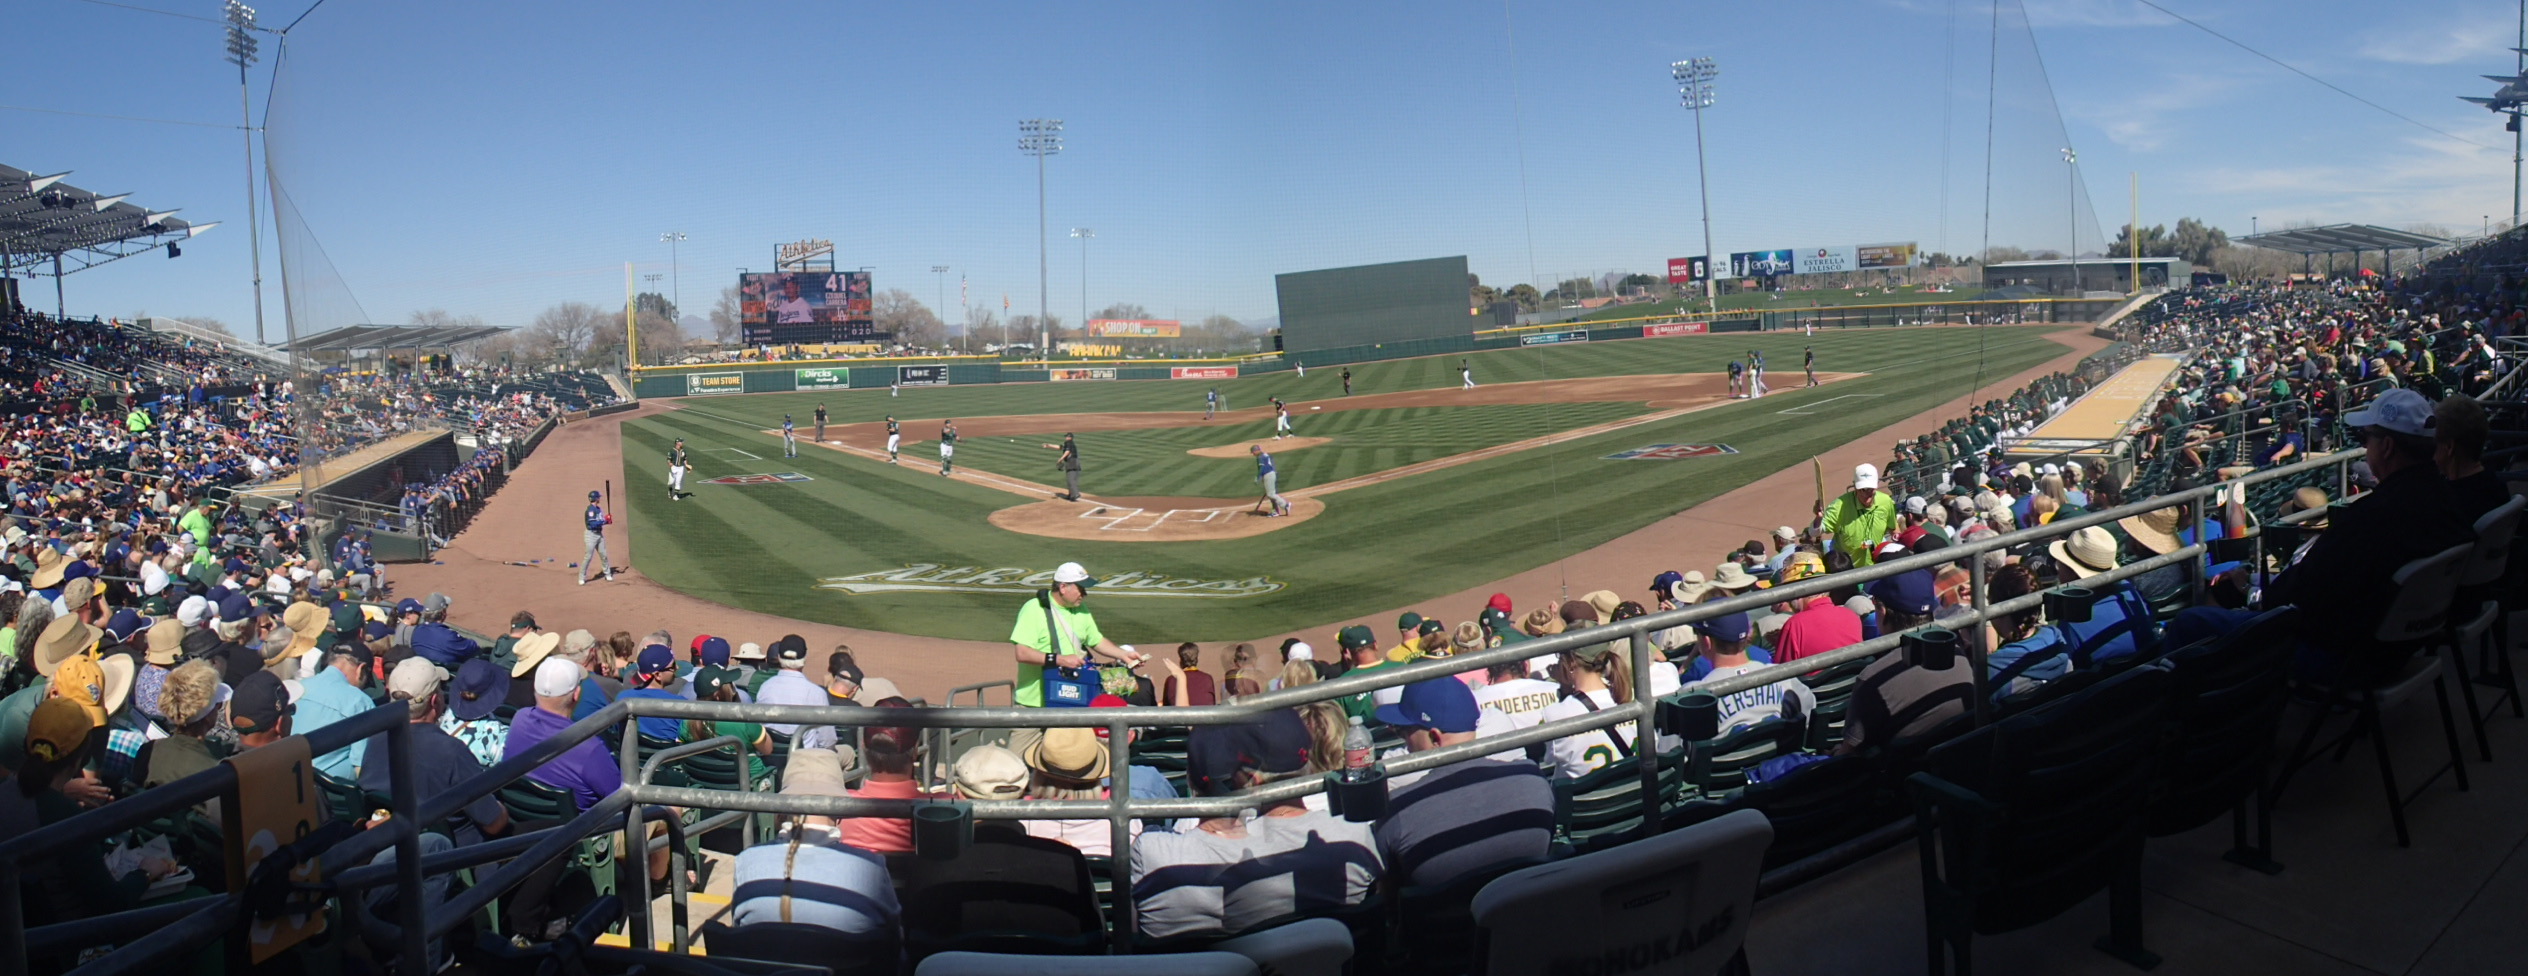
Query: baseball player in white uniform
pixel 1281 419
pixel 789 437
pixel 677 463
pixel 895 438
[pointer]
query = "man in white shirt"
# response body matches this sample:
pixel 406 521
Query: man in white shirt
pixel 1228 873
pixel 1725 646
pixel 1519 700
pixel 792 687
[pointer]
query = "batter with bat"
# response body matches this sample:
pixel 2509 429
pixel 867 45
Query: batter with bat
pixel 596 520
pixel 1270 478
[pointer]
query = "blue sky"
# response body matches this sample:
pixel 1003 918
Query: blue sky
pixel 495 158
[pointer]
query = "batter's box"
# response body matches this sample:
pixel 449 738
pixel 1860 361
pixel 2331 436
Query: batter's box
pixel 1671 452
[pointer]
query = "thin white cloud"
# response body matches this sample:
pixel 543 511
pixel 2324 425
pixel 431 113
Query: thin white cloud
pixel 2093 13
pixel 2410 181
pixel 2143 121
pixel 2445 40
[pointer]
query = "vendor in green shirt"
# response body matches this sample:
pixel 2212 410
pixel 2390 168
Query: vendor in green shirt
pixel 1064 642
pixel 1860 519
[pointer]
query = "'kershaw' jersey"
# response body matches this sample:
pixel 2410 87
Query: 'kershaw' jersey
pixel 596 517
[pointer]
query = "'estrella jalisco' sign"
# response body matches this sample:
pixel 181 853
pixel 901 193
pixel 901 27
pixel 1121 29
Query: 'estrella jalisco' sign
pixel 934 578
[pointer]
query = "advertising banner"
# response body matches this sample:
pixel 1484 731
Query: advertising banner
pixel 1888 255
pixel 1077 375
pixel 707 384
pixel 1553 338
pixel 1665 329
pixel 1203 373
pixel 1825 260
pixel 921 376
pixel 823 379
pixel 1135 328
pixel 1683 270
pixel 1760 264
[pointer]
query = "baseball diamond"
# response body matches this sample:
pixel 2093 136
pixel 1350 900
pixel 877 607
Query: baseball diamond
pixel 1501 479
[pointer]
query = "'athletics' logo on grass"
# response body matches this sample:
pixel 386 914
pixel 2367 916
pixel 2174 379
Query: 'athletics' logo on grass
pixel 1671 452
pixel 934 578
pixel 784 478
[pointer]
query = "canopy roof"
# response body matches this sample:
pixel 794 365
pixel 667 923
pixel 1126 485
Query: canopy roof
pixel 43 218
pixel 352 337
pixel 2341 238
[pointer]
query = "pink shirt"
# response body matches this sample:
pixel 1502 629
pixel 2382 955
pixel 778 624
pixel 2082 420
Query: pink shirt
pixel 1820 628
pixel 886 835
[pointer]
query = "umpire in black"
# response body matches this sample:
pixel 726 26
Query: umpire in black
pixel 1070 465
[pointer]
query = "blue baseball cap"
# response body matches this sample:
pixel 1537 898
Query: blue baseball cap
pixel 1442 704
pixel 407 605
pixel 234 565
pixel 1664 583
pixel 1906 593
pixel 1727 627
pixel 238 606
pixel 715 652
pixel 657 658
pixel 77 568
pixel 125 623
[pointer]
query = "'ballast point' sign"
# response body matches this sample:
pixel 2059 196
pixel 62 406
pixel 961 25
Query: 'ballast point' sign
pixel 935 578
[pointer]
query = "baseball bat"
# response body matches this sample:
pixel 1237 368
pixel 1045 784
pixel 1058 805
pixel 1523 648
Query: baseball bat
pixel 610 496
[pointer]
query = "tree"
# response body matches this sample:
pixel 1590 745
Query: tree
pixel 1641 281
pixel 1221 334
pixel 1525 295
pixel 726 324
pixel 1023 329
pixel 1479 294
pixel 897 311
pixel 2004 252
pixel 2155 242
pixel 662 340
pixel 2196 241
pixel 568 330
pixel 650 301
pixel 1121 310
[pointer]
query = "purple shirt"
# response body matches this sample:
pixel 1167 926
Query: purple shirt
pixel 587 770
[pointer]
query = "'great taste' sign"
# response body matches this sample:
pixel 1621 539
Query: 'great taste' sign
pixel 934 578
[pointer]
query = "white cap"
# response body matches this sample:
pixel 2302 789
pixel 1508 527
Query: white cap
pixel 416 678
pixel 556 677
pixel 192 610
pixel 2050 468
pixel 2403 411
pixel 1785 533
pixel 1071 573
pixel 1915 505
pixel 1865 476
pixel 1300 652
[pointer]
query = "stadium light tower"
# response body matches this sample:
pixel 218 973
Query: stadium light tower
pixel 939 272
pixel 242 46
pixel 675 271
pixel 1082 234
pixel 1694 89
pixel 1040 138
pixel 2071 209
pixel 2510 100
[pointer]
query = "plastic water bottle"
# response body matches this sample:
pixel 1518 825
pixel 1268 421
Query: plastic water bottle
pixel 1356 750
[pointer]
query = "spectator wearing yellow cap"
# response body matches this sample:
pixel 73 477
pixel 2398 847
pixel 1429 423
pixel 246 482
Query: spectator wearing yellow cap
pixel 75 883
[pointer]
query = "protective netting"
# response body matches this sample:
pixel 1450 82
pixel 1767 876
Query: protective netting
pixel 316 298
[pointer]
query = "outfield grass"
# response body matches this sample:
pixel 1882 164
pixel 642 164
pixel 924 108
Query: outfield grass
pixel 1790 301
pixel 766 547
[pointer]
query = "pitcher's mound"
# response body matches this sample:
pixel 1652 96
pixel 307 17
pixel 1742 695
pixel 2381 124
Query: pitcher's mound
pixel 1271 446
pixel 1149 519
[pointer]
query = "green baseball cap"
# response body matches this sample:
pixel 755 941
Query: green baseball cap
pixel 1409 621
pixel 1356 635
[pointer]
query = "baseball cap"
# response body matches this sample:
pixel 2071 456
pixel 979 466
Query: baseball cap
pixel 1430 626
pixel 1277 743
pixel 1408 621
pixel 1442 704
pixel 157 606
pixel 1107 700
pixel 656 658
pixel 1499 601
pixel 166 643
pixel 2403 411
pixel 57 728
pixel 715 652
pixel 876 691
pixel 790 651
pixel 1906 593
pixel 1726 627
pixel 1916 506
pixel 1073 573
pixel 234 565
pixel 416 678
pixel 842 667
pixel 481 686
pixel 592 496
pixel 438 603
pixel 1495 619
pixel 556 677
pixel 990 772
pixel 708 680
pixel 83 679
pixel 237 607
pixel 1785 533
pixel 258 703
pixel 1665 583
pixel 1865 476
pixel 407 605
pixel 1300 651
pixel 1355 636
pixel 124 624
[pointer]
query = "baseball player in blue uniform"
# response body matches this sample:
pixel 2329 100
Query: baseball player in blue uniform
pixel 789 437
pixel 1211 403
pixel 895 438
pixel 1270 479
pixel 596 521
pixel 1737 380
pixel 677 462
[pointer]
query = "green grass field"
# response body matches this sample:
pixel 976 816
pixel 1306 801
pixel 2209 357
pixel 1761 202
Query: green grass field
pixel 767 547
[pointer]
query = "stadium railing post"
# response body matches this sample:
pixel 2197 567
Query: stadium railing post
pixel 1975 650
pixel 411 915
pixel 1119 821
pixel 1645 734
pixel 636 920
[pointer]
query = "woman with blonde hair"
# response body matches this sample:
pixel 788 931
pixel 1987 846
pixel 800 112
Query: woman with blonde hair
pixel 1242 678
pixel 1594 678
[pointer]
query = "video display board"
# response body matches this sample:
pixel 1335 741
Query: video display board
pixel 784 307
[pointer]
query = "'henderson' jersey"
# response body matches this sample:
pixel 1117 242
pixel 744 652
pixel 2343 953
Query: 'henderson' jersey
pixel 596 517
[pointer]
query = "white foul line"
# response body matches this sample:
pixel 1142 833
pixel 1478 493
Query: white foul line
pixel 1807 408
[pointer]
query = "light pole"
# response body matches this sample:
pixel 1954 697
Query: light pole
pixel 940 273
pixel 1082 234
pixel 241 52
pixel 675 273
pixel 2071 210
pixel 1040 138
pixel 1694 89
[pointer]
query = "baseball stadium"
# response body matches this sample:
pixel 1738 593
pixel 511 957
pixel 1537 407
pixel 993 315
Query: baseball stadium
pixel 1353 591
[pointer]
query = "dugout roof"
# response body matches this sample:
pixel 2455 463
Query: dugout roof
pixel 351 337
pixel 2341 239
pixel 43 218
